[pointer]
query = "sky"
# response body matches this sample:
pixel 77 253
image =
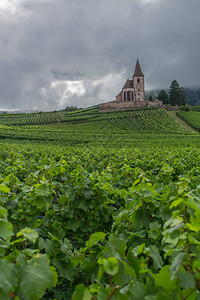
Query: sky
pixel 58 53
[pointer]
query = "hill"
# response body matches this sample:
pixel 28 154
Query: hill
pixel 138 127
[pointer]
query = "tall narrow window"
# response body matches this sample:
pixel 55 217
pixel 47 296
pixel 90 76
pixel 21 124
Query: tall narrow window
pixel 138 80
pixel 132 97
pixel 128 96
pixel 124 96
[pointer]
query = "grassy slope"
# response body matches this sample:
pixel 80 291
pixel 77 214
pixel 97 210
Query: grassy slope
pixel 182 122
pixel 190 117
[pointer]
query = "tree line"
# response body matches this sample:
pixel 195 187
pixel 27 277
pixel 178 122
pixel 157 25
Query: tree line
pixel 176 95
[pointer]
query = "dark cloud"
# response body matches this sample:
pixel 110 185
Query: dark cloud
pixel 46 44
pixel 60 75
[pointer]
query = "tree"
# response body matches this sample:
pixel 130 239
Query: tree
pixel 196 108
pixel 70 108
pixel 163 96
pixel 177 95
pixel 182 96
pixel 174 93
pixel 193 96
pixel 150 98
pixel 185 107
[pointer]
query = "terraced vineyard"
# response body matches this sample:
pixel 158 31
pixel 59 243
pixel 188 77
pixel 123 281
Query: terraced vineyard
pixel 138 120
pixel 100 206
pixel 138 128
pixel 30 119
pixel 191 117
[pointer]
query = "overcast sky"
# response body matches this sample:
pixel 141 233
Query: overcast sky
pixel 55 53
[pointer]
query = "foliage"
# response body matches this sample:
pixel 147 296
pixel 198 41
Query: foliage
pixel 163 96
pixel 24 271
pixel 139 128
pixel 30 119
pixel 193 96
pixel 99 224
pixel 183 97
pixel 70 108
pixel 191 117
pixel 196 108
pixel 188 107
pixel 177 94
pixel 185 107
pixel 150 98
pixel 114 218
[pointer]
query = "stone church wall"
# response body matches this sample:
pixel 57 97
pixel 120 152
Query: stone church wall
pixel 109 106
pixel 154 103
pixel 119 97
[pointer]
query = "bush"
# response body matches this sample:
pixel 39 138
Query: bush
pixel 185 107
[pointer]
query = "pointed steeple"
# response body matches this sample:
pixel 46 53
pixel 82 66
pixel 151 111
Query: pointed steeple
pixel 138 71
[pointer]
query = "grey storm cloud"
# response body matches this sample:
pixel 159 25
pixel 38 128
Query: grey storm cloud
pixel 59 53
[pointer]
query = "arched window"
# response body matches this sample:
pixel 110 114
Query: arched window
pixel 124 96
pixel 138 80
pixel 128 96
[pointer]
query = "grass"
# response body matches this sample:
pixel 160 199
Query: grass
pixel 182 122
pixel 191 117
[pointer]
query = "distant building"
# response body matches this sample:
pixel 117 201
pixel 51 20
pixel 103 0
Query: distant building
pixel 132 94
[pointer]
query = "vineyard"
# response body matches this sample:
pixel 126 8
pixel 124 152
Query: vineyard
pixel 100 206
pixel 191 117
pixel 137 120
pixel 32 119
pixel 136 128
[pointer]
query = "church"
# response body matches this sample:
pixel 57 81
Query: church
pixel 133 90
pixel 132 94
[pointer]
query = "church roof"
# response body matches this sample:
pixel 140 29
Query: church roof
pixel 138 71
pixel 128 84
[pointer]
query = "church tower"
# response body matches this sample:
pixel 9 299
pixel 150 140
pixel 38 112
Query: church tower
pixel 138 83
pixel 132 94
pixel 133 90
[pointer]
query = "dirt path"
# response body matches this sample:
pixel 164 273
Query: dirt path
pixel 183 124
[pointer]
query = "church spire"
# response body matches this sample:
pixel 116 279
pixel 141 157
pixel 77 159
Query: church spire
pixel 138 71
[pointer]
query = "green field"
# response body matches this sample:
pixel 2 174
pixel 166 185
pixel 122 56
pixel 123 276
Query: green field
pixel 191 117
pixel 100 206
